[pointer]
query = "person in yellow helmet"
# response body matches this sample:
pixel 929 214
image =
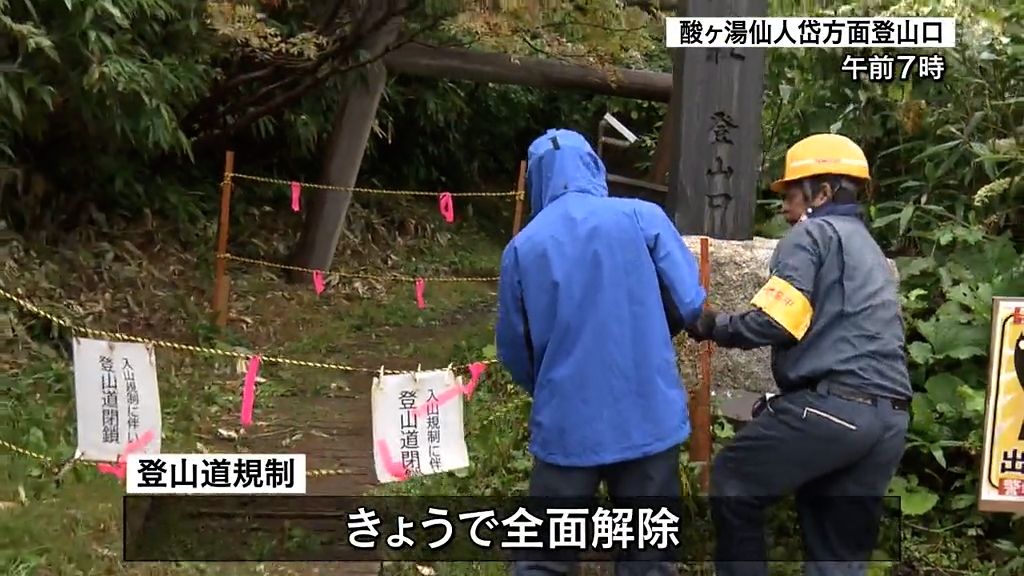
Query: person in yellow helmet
pixel 836 432
pixel 794 207
pixel 795 203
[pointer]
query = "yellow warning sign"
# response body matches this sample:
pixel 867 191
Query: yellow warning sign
pixel 1002 482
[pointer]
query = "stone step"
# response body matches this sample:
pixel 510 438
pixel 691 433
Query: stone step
pixel 734 404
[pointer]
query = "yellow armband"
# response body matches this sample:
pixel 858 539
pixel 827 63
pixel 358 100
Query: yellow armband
pixel 786 305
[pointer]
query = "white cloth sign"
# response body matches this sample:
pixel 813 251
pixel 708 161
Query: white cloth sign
pixel 116 397
pixel 423 443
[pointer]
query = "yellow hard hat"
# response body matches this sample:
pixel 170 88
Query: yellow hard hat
pixel 823 154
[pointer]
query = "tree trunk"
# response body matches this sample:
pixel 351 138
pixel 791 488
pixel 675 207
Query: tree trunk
pixel 325 214
pixel 662 160
pixel 666 150
pixel 493 67
pixel 672 136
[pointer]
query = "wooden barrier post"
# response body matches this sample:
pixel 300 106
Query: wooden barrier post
pixel 700 445
pixel 220 278
pixel 517 219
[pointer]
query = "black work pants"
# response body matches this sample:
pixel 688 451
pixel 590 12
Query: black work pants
pixel 652 476
pixel 838 456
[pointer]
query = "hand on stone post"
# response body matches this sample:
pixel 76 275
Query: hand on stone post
pixel 703 328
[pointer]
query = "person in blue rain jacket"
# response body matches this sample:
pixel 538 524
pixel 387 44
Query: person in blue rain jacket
pixel 591 293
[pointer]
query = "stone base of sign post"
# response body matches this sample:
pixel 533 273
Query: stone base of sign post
pixel 738 269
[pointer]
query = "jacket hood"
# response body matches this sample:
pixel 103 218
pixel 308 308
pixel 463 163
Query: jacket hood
pixel 559 162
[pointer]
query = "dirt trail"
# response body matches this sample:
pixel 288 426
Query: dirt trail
pixel 337 435
pixel 335 432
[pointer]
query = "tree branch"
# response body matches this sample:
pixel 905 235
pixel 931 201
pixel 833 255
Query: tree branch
pixel 311 81
pixel 653 6
pixel 299 77
pixel 331 16
pixel 220 92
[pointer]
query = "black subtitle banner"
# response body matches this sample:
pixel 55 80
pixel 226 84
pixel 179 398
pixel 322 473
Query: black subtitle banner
pixel 173 528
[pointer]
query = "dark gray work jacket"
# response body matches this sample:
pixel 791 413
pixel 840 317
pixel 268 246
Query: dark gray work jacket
pixel 844 322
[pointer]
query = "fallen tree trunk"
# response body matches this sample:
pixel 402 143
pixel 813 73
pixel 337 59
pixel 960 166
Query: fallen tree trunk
pixel 493 67
pixel 325 215
pixel 326 212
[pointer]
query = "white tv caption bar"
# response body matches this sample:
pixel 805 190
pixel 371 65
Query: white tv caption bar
pixel 216 474
pixel 915 32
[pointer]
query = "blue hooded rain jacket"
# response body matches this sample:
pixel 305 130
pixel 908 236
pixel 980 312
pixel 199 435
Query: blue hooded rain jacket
pixel 590 294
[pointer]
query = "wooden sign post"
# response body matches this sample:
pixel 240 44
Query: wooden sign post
pixel 716 130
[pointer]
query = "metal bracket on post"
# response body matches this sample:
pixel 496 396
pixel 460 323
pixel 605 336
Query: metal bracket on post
pixel 621 185
pixel 609 120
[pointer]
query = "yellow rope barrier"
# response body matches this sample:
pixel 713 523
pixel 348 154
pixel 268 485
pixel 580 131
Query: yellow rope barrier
pixel 366 276
pixel 113 335
pixel 205 350
pixel 25 452
pixel 265 180
pixel 64 322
